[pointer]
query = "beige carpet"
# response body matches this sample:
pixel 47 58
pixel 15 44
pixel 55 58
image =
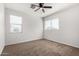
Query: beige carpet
pixel 40 48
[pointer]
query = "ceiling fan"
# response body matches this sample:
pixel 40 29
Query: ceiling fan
pixel 40 6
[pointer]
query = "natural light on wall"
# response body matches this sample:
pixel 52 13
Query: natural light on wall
pixel 15 23
pixel 52 24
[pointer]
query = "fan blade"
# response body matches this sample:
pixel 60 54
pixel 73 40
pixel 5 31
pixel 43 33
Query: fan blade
pixel 37 9
pixel 47 7
pixel 33 6
pixel 43 10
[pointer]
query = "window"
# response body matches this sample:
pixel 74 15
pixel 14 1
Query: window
pixel 52 24
pixel 48 24
pixel 15 23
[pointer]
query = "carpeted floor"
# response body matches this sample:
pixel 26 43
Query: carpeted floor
pixel 40 48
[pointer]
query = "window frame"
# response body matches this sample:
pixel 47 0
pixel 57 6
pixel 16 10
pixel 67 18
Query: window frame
pixel 16 24
pixel 51 24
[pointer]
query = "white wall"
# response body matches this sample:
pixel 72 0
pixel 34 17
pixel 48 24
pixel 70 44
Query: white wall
pixel 32 28
pixel 2 25
pixel 69 27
